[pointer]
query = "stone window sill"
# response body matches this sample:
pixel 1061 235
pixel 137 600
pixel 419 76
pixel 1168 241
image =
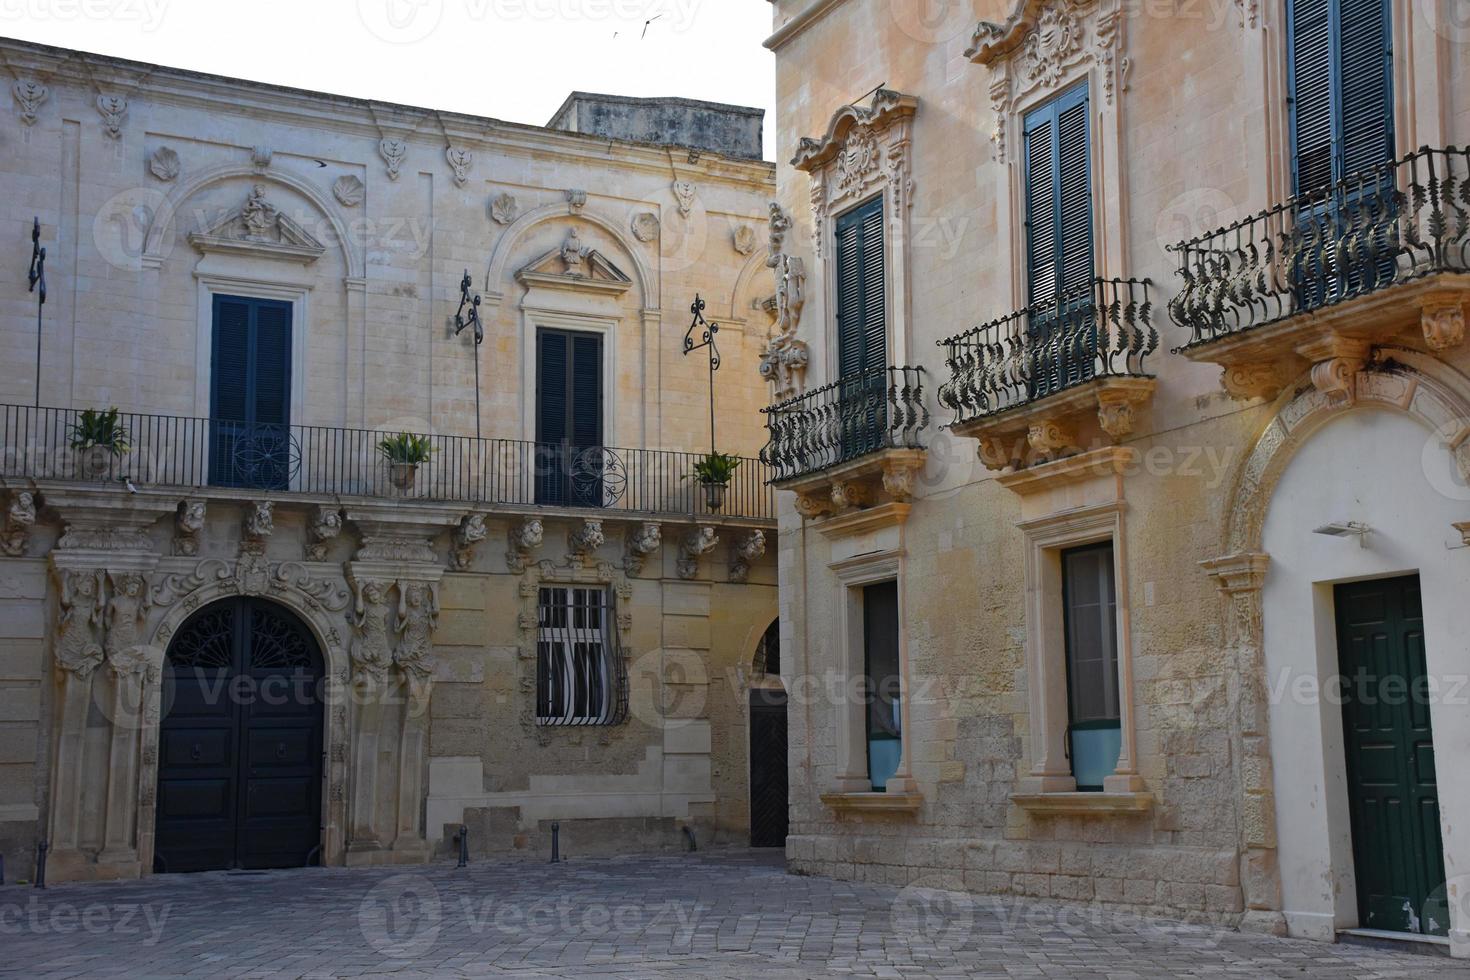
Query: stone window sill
pixel 1083 803
pixel 888 803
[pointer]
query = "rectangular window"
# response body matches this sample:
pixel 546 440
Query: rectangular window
pixel 862 329
pixel 569 418
pixel 250 393
pixel 880 668
pixel 579 671
pixel 1094 733
pixel 1340 89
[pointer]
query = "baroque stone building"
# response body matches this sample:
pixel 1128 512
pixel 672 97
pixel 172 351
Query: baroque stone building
pixel 397 527
pixel 1123 510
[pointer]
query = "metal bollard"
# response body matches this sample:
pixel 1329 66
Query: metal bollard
pixel 464 846
pixel 555 842
pixel 2 869
pixel 41 850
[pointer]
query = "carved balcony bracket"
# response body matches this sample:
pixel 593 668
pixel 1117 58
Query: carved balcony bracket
pixel 1060 425
pixel 886 477
pixel 1258 379
pixel 1336 360
pixel 1442 318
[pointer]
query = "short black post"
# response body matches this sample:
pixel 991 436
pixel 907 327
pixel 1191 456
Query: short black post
pixel 41 850
pixel 555 842
pixel 2 869
pixel 464 846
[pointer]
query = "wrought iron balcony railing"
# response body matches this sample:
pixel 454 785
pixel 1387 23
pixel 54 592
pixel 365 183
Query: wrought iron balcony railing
pixel 1103 330
pixel 171 451
pixel 1396 222
pixel 879 408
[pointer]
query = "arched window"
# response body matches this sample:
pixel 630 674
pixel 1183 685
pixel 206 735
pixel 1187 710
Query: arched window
pixel 768 651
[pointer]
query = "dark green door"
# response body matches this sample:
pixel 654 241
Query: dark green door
pixel 1397 850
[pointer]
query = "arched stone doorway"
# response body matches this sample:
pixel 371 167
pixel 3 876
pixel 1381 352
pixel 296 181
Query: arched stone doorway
pixel 769 817
pixel 240 741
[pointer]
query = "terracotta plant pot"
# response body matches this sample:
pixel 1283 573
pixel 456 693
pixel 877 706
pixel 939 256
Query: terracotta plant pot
pixel 402 475
pixel 714 495
pixel 94 461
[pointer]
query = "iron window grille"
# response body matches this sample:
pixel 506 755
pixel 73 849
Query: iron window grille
pixel 581 677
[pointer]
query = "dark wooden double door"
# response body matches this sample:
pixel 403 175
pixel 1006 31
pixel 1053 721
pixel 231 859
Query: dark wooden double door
pixel 768 786
pixel 1397 848
pixel 240 743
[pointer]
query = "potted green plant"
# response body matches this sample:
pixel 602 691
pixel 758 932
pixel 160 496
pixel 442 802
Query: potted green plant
pixel 404 452
pixel 98 437
pixel 714 472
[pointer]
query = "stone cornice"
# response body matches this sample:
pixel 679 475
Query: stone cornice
pixel 993 42
pixel 884 109
pixel 360 117
pixel 799 23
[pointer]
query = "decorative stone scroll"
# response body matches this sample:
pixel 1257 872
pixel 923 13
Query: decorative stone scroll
pixel 1040 45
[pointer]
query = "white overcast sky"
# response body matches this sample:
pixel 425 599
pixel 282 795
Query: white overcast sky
pixel 510 59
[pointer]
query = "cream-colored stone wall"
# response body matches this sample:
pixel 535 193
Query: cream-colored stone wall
pixel 390 227
pixel 1199 135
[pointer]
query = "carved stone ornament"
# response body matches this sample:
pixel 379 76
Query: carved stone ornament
pixel 370 650
pixel 744 239
pixel 582 541
pixel 258 227
pixel 326 524
pixel 471 531
pixel 684 192
pixel 898 478
pixel 645 226
pixel 864 148
pixel 746 551
pixel 503 208
pixel 392 151
pixel 20 516
pixel 1443 321
pixel 98 537
pixel 260 157
pixel 813 505
pixel 1254 380
pixel 29 94
pixel 349 191
pixel 126 607
pixel 572 253
pixel 524 537
pixel 696 543
pixel 641 543
pixel 1039 46
pixel 576 199
pixel 188 523
pixel 164 164
pixel 784 358
pixel 114 109
pixel 258 525
pixel 460 162
pixel 418 614
pixel 1336 361
pixel 250 575
pixel 1052 438
pixel 78 634
pixel 849 494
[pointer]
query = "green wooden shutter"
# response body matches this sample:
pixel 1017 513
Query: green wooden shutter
pixel 1340 93
pixel 862 323
pixel 1058 169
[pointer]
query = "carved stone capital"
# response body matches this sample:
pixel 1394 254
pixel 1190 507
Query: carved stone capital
pixel 745 552
pixel 697 543
pixel 1336 360
pixel 1052 437
pixel 523 538
pixel 1442 317
pixel 640 543
pixel 1237 573
pixel 1259 379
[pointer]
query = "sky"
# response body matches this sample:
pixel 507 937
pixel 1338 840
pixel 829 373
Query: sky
pixel 509 59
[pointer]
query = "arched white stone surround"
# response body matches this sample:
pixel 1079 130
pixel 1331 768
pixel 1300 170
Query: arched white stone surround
pixel 1395 459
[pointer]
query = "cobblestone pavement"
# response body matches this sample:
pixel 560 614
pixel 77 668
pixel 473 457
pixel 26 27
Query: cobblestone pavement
pixel 713 914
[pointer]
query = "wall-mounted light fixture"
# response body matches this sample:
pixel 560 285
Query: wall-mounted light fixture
pixel 1346 529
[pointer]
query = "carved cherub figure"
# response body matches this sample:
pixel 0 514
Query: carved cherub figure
pixel 370 648
pixel 418 612
pixel 77 648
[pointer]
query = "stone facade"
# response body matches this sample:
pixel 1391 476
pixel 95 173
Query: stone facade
pixel 1228 801
pixel 158 189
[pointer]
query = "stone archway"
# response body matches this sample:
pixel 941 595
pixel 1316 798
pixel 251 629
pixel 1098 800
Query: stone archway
pixel 1399 380
pixel 240 772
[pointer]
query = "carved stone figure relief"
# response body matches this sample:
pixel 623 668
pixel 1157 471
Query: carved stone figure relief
pixel 188 523
pixel 697 543
pixel 78 643
pixel 326 524
pixel 370 650
pixel 126 607
pixel 471 531
pixel 784 358
pixel 524 538
pixel 746 551
pixel 258 526
pixel 582 541
pixel 418 611
pixel 641 543
pixel 20 515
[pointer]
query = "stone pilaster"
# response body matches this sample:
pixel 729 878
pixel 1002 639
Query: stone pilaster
pixel 1240 578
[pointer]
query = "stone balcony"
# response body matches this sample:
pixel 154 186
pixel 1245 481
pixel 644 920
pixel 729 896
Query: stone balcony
pixel 850 444
pixel 1043 382
pixel 1320 279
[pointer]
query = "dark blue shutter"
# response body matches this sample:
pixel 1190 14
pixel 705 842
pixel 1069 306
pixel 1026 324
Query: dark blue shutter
pixel 250 393
pixel 1058 168
pixel 551 387
pixel 862 309
pixel 1339 78
pixel 586 409
pixel 569 417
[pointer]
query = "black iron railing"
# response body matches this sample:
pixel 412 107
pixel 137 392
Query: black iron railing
pixel 1103 330
pixel 880 408
pixel 1398 221
pixel 172 451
